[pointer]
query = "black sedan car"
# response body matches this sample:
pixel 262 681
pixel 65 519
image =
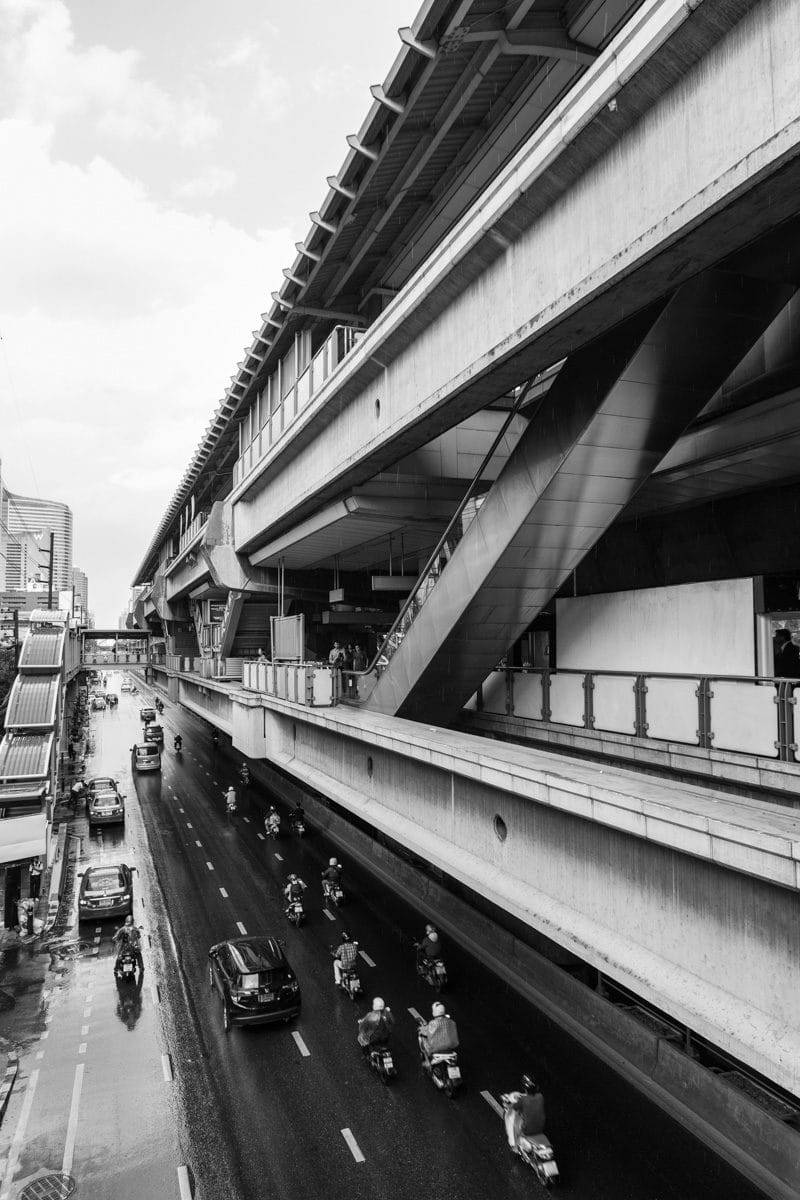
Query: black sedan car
pixel 106 891
pixel 254 981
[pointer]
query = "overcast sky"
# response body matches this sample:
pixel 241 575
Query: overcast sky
pixel 158 161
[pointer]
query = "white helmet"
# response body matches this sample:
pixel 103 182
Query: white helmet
pixel 334 862
pixel 378 1005
pixel 438 1009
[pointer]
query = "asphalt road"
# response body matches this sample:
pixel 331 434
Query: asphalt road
pixel 293 1111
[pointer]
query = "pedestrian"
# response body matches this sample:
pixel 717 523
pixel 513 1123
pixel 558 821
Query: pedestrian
pixel 35 871
pixel 359 664
pixel 261 658
pixel 786 655
pixel 336 655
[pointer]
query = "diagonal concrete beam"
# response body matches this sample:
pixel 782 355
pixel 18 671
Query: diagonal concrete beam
pixel 615 410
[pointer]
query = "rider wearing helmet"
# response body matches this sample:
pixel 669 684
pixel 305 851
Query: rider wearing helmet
pixel 431 945
pixel 376 1027
pixel 344 958
pixel 129 935
pixel 272 821
pixel 331 877
pixel 524 1115
pixel 294 888
pixel 178 742
pixel 439 1035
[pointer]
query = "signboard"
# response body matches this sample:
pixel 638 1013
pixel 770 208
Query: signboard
pixel 288 638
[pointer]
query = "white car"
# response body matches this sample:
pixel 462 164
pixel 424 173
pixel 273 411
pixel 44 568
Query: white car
pixel 127 686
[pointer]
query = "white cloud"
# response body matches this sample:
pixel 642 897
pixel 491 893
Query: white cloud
pixel 46 77
pixel 212 182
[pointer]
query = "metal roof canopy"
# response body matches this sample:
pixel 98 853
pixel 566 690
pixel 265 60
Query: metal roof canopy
pixel 21 793
pixel 25 756
pixel 469 84
pixel 32 703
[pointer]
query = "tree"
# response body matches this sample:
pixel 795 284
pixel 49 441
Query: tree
pixel 8 672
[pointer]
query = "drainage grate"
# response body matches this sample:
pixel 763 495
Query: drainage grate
pixel 49 1187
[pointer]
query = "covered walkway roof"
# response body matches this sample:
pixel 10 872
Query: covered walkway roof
pixel 25 756
pixel 32 703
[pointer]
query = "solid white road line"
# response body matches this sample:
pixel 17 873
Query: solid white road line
pixel 184 1184
pixel 223 893
pixel 366 958
pixel 353 1145
pixel 210 866
pixel 154 994
pixel 329 914
pixel 241 928
pixel 279 857
pixel 72 1125
pixel 19 1134
pixel 490 1100
pixel 417 1016
pixel 166 1067
pixel 302 1047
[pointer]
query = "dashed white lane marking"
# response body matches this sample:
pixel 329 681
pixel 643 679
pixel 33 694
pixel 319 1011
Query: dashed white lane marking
pixel 279 857
pixel 87 1012
pixel 44 1035
pixel 417 1016
pixel 197 843
pixel 490 1100
pixel 241 928
pixel 223 893
pixel 72 1125
pixel 262 838
pixel 184 1184
pixel 366 958
pixel 189 825
pixel 166 1067
pixel 353 1146
pixel 210 866
pixel 301 1046
pixel 329 914
pixel 19 1134
pixel 82 1048
pixel 247 820
pixel 180 810
pixel 84 1030
pixel 39 1055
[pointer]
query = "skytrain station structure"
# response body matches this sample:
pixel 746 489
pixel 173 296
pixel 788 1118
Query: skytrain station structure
pixel 487 551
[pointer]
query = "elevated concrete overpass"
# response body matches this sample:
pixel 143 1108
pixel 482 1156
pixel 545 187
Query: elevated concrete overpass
pixel 606 249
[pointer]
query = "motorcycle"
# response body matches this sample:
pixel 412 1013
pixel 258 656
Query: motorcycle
pixel 273 829
pixel 381 1061
pixel 298 826
pixel 244 775
pixel 332 892
pixel 433 971
pixel 350 981
pixel 537 1152
pixel 443 1069
pixel 160 705
pixel 178 744
pixel 295 912
pixel 126 966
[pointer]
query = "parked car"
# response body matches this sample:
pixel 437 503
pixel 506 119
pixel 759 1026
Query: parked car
pixel 106 808
pixel 105 891
pixel 154 733
pixel 146 757
pixel 147 714
pixel 98 702
pixel 98 783
pixel 126 686
pixel 254 981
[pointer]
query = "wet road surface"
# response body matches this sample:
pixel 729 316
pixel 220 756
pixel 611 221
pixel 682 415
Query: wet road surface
pixel 292 1110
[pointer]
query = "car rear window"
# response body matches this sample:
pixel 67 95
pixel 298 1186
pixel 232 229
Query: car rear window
pixel 257 957
pixel 101 881
pixel 105 800
pixel 147 751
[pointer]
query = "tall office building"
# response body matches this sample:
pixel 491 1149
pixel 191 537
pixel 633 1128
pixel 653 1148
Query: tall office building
pixel 80 593
pixel 28 525
pixel 3 531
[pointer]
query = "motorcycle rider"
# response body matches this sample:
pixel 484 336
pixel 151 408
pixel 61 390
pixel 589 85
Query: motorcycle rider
pixel 272 821
pixel 439 1035
pixel 376 1027
pixel 298 816
pixel 344 958
pixel 178 743
pixel 524 1116
pixel 294 889
pixel 430 947
pixel 244 775
pixel 331 877
pixel 230 801
pixel 129 935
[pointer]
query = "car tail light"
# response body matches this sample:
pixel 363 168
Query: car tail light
pixel 126 896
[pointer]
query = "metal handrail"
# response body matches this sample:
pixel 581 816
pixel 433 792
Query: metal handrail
pixel 434 556
pixel 649 674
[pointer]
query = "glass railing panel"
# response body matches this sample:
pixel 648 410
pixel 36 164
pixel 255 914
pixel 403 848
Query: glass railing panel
pixel 672 711
pixel 494 693
pixel 528 696
pixel 566 699
pixel 743 717
pixel 614 703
